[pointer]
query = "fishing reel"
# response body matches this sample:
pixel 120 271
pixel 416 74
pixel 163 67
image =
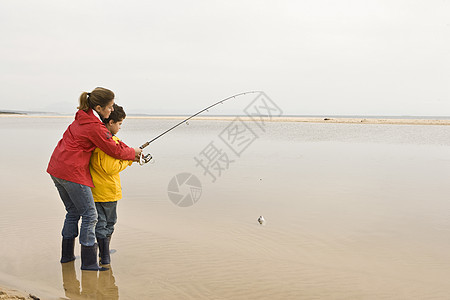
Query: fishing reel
pixel 145 158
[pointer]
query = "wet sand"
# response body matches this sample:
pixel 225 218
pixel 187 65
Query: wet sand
pixel 392 121
pixel 354 211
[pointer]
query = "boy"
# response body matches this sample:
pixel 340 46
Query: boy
pixel 107 191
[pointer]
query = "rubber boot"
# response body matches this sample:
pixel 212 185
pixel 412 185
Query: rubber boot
pixel 103 246
pixel 67 250
pixel 89 259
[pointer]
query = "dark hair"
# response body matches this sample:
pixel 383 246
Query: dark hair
pixel 99 96
pixel 117 115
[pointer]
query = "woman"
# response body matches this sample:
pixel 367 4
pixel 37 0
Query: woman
pixel 69 169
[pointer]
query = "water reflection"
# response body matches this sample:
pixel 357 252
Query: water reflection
pixel 94 285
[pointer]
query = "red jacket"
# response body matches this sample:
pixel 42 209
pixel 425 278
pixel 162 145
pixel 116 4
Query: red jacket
pixel 70 159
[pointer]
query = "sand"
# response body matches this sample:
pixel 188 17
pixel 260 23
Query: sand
pixel 392 121
pixel 10 294
pixel 353 212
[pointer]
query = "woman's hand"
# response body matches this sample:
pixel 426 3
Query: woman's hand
pixel 137 154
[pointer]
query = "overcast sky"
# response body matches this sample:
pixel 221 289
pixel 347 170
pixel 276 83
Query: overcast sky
pixel 336 57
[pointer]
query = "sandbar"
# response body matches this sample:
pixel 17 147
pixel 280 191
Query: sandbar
pixel 339 120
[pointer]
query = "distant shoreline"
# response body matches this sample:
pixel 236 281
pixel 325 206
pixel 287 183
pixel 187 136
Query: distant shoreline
pixel 338 120
pixel 11 113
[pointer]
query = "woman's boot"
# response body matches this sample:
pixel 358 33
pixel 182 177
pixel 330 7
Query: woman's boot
pixel 89 259
pixel 67 250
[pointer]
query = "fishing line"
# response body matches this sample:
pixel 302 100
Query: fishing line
pixel 145 158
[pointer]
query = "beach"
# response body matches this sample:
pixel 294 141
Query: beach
pixel 355 208
pixel 8 294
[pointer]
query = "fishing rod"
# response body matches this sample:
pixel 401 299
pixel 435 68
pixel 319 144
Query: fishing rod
pixel 145 158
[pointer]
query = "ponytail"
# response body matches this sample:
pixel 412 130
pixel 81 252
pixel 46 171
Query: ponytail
pixel 99 96
pixel 84 101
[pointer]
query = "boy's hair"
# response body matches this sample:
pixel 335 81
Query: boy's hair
pixel 117 115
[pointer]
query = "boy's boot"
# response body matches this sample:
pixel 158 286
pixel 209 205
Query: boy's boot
pixel 103 246
pixel 67 250
pixel 89 258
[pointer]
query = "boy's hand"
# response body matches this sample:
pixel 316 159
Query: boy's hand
pixel 137 154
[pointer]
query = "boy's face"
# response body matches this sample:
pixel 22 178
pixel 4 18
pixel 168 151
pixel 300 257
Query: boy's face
pixel 114 127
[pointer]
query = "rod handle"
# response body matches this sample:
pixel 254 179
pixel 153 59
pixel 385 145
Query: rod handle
pixel 144 145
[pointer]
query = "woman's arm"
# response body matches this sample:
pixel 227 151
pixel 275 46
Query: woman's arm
pixel 102 138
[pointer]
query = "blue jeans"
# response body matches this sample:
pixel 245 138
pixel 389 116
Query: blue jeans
pixel 78 200
pixel 107 217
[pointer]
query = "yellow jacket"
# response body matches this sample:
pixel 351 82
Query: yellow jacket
pixel 105 175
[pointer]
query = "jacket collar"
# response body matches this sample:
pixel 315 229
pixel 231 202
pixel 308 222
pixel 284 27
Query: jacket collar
pixel 86 117
pixel 97 115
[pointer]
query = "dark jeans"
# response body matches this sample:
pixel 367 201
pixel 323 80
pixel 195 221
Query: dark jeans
pixel 107 217
pixel 78 200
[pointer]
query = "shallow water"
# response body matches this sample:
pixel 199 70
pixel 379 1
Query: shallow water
pixel 353 212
